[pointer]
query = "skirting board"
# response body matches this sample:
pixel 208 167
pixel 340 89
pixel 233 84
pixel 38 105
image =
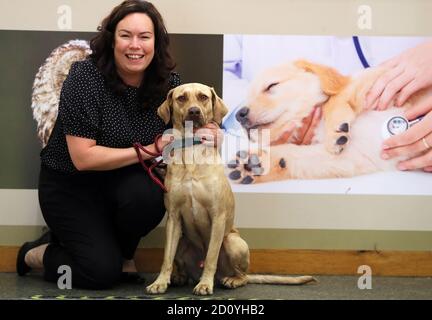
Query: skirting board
pixel 279 261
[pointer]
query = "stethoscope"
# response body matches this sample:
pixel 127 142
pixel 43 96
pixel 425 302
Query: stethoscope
pixel 360 53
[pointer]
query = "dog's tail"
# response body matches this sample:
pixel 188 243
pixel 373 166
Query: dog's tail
pixel 270 279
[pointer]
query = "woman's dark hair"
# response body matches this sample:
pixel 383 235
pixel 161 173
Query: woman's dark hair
pixel 156 81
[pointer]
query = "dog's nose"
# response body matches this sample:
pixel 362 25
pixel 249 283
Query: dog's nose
pixel 194 112
pixel 242 115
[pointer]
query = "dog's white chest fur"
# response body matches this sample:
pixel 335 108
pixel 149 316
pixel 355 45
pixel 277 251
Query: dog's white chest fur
pixel 194 203
pixel 190 195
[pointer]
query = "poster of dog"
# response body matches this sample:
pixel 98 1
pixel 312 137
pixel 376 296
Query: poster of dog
pixel 298 122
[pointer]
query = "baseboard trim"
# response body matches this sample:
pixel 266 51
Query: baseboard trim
pixel 277 261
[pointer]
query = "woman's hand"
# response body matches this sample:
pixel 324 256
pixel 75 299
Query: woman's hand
pixel 408 73
pixel 164 140
pixel 210 135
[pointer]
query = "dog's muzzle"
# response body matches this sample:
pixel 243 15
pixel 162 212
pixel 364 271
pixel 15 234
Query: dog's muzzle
pixel 242 116
pixel 194 115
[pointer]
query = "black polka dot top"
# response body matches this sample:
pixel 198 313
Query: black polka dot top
pixel 88 108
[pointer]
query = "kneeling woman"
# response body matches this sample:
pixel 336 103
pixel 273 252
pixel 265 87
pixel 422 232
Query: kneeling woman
pixel 95 197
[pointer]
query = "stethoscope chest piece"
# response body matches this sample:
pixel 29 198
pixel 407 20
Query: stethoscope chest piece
pixel 396 125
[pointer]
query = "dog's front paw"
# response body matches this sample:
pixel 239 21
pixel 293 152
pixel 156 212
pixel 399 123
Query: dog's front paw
pixel 247 167
pixel 337 138
pixel 157 287
pixel 203 288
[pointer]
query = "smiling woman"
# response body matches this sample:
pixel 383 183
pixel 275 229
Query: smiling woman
pixel 133 47
pixel 94 196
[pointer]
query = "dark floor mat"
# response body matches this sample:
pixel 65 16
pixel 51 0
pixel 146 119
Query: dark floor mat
pixel 73 297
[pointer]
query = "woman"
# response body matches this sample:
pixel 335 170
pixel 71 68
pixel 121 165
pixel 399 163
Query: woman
pixel 94 195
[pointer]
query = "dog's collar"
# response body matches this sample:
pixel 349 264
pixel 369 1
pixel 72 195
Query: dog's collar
pixel 185 142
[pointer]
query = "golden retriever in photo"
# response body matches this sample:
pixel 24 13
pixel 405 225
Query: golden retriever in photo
pixel 346 141
pixel 200 206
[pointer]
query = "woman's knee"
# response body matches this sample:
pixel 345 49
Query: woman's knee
pixel 141 210
pixel 133 188
pixel 141 199
pixel 139 222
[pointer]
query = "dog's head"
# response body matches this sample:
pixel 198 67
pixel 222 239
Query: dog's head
pixel 192 102
pixel 284 96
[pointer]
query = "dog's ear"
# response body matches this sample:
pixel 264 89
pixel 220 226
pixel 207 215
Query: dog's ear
pixel 219 108
pixel 332 82
pixel 164 110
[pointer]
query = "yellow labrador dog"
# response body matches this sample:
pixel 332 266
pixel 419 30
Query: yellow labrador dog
pixel 287 99
pixel 200 206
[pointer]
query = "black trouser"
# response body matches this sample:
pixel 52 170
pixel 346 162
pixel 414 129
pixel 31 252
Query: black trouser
pixel 98 218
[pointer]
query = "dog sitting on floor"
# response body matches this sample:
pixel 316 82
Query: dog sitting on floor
pixel 287 100
pixel 200 206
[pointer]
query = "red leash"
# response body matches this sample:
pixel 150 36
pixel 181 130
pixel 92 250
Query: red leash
pixel 150 168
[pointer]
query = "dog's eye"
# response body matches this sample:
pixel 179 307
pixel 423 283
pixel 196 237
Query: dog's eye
pixel 202 97
pixel 181 98
pixel 268 88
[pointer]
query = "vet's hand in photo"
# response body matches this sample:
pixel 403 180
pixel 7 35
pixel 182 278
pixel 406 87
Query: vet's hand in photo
pixel 288 100
pixel 405 75
pixel 408 75
pixel 201 241
pixel 416 140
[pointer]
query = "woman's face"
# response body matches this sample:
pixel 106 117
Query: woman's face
pixel 134 42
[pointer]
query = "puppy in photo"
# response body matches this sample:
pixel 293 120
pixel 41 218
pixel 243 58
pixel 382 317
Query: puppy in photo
pixel 317 124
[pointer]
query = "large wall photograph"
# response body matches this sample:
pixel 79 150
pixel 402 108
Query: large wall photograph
pixel 298 121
